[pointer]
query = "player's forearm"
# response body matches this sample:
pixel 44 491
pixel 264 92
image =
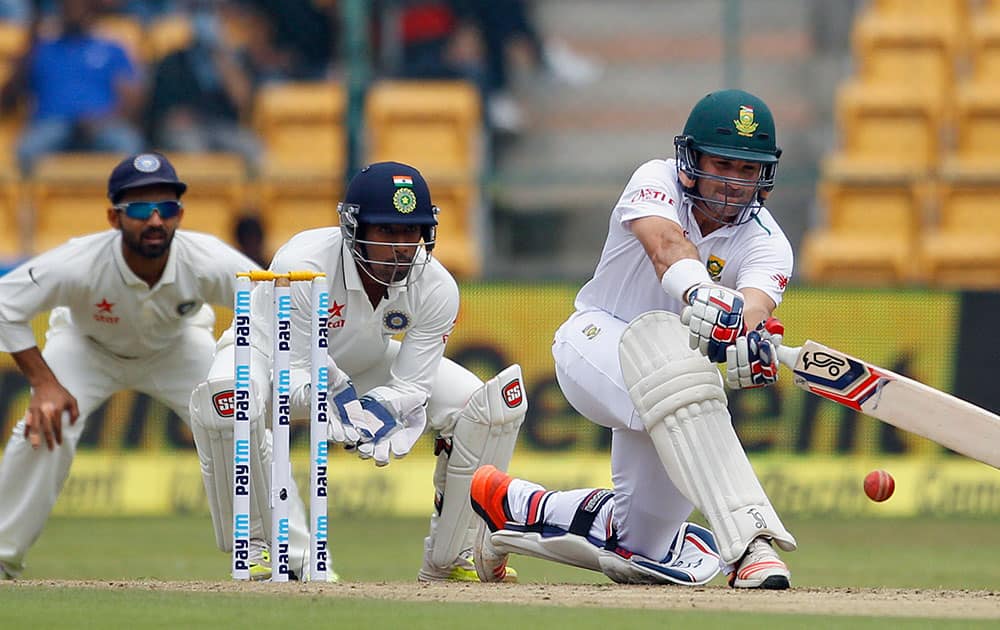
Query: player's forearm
pixel 757 306
pixel 33 366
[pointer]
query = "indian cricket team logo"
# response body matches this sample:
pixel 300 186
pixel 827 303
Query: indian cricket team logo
pixel 396 321
pixel 715 266
pixel 146 163
pixel 404 201
pixel 745 125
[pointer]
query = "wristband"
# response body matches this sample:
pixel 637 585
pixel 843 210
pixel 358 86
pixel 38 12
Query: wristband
pixel 681 276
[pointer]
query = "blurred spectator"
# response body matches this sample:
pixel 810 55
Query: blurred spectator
pixel 474 40
pixel 202 92
pixel 84 90
pixel 250 240
pixel 293 39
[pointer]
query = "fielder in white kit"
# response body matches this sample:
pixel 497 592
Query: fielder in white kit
pixel 129 310
pixel 383 281
pixel 691 254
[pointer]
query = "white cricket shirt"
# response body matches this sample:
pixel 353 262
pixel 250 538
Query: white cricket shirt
pixel 88 286
pixel 425 310
pixel 755 254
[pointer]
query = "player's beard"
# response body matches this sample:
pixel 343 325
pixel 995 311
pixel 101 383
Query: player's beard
pixel 146 249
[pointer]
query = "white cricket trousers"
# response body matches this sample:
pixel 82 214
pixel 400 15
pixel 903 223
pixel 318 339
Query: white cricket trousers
pixel 30 480
pixel 648 508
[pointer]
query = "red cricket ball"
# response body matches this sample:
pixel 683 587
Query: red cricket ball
pixel 879 485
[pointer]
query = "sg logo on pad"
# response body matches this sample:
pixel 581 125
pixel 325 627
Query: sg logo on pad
pixel 511 393
pixel 223 402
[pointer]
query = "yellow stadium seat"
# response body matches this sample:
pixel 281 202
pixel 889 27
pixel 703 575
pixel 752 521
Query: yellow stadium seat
pixel 884 129
pixel 68 193
pixel 870 233
pixel 302 127
pixel 215 196
pixel 13 242
pixel 457 245
pixel 127 32
pixel 434 126
pixel 985 49
pixel 13 40
pixel 166 35
pixel 288 207
pixel 963 250
pixel 916 55
pixel 977 129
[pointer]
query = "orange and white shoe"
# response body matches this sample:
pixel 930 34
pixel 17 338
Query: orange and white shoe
pixel 760 567
pixel 489 500
pixel 489 496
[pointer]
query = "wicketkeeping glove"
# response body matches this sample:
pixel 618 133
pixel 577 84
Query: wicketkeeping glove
pixel 345 409
pixel 753 360
pixel 714 319
pixel 393 426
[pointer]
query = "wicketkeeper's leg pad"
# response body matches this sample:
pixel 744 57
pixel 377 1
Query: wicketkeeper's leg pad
pixel 485 432
pixel 679 397
pixel 693 560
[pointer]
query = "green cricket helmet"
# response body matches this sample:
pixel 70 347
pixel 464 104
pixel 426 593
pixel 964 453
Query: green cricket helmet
pixel 730 124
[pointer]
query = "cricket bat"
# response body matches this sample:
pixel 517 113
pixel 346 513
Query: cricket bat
pixel 897 400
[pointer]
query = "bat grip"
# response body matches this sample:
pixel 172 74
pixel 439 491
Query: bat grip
pixel 788 355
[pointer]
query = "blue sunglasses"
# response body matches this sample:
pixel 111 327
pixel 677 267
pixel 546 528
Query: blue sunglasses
pixel 142 210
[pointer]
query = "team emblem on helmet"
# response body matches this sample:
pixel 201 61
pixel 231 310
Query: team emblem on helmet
pixel 745 126
pixel 146 163
pixel 714 266
pixel 396 321
pixel 404 200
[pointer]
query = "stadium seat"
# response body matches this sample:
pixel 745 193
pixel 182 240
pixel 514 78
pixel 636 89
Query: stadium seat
pixel 166 35
pixel 977 130
pixel 14 39
pixel 289 206
pixel 68 192
pixel 916 55
pixel 127 32
pixel 870 233
pixel 963 250
pixel 434 126
pixel 884 129
pixel 301 125
pixel 457 246
pixel 215 196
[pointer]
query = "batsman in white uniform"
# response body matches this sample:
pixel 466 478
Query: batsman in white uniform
pixel 383 282
pixel 691 255
pixel 129 310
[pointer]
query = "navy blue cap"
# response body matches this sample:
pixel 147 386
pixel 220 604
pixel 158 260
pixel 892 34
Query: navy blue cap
pixel 143 169
pixel 391 192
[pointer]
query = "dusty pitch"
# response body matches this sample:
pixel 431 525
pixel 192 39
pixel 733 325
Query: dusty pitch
pixel 881 602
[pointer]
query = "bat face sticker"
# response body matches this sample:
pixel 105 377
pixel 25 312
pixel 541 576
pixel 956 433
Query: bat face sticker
pixel 824 361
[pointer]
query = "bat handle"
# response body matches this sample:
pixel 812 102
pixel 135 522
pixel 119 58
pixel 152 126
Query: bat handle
pixel 788 355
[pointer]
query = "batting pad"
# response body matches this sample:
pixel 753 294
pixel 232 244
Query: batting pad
pixel 485 433
pixel 679 397
pixel 213 436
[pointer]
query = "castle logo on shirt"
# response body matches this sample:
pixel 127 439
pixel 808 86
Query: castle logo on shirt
pixel 396 321
pixel 715 266
pixel 104 312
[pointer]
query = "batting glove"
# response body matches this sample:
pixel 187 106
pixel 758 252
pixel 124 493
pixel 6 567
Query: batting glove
pixel 714 320
pixel 753 360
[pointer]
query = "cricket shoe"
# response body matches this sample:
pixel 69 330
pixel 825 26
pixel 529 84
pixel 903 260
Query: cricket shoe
pixel 462 570
pixel 760 567
pixel 260 563
pixel 5 573
pixel 489 500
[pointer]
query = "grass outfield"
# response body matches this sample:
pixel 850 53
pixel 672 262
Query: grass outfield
pixel 911 554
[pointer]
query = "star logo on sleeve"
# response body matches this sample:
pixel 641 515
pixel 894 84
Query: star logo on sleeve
pixel 104 306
